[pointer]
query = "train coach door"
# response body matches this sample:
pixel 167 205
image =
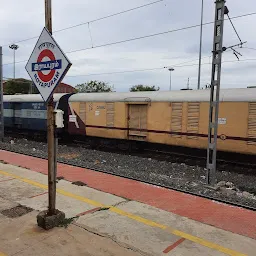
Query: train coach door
pixel 17 114
pixel 137 121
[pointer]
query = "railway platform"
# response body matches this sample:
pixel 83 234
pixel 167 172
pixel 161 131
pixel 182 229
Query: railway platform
pixel 109 215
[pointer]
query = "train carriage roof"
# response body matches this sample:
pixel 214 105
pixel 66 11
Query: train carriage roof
pixel 244 95
pixel 30 97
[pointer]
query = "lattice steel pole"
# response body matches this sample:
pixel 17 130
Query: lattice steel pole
pixel 220 11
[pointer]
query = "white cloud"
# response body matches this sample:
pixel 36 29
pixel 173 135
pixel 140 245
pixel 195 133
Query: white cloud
pixel 25 19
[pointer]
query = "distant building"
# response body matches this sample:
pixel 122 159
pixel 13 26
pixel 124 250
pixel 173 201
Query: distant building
pixel 65 88
pixel 251 86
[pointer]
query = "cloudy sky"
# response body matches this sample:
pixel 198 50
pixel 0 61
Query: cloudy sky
pixel 21 20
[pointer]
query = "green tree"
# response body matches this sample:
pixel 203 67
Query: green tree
pixel 19 85
pixel 140 88
pixel 94 86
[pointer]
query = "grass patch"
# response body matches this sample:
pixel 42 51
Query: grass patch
pixel 67 221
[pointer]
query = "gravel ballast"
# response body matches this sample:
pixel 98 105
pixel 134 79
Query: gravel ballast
pixel 232 186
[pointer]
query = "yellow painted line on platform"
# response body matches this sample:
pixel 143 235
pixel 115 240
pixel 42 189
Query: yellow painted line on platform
pixel 207 243
pixel 133 217
pixel 80 198
pixel 177 233
pixel 2 254
pixel 60 191
pixel 137 218
pixel 31 182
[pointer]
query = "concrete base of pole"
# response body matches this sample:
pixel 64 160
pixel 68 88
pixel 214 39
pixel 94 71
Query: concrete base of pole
pixel 47 222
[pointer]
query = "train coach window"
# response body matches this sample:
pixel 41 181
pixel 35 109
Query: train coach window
pixel 193 116
pixel 176 119
pixel 110 118
pixel 82 111
pixel 252 123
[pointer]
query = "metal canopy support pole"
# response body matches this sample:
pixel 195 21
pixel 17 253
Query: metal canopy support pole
pixel 215 90
pixel 170 69
pixel 200 47
pixel 170 81
pixel 14 63
pixel 50 128
pixel 1 96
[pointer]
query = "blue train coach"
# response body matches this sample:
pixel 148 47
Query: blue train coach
pixel 29 111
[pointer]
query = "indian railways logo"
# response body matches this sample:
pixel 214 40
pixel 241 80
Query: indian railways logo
pixel 46 66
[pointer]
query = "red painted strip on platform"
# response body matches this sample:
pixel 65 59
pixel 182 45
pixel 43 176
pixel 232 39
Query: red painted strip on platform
pixel 39 195
pixel 234 219
pixel 6 180
pixel 89 211
pixel 171 247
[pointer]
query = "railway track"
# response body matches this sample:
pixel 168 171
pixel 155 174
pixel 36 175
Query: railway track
pixel 248 166
pixel 172 156
pixel 219 160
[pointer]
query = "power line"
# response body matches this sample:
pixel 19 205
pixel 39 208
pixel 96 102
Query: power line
pixel 120 72
pixel 109 16
pixel 18 62
pixel 250 48
pixel 21 61
pixel 137 38
pixel 11 63
pixel 227 61
pixel 91 21
pixel 145 69
pixel 152 69
pixel 90 33
pixel 156 34
pixel 185 62
pixel 156 68
pixel 141 70
pixel 146 36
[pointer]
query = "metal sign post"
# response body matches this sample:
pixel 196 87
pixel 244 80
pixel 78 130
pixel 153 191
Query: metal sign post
pixel 50 129
pixel 1 96
pixel 47 66
pixel 215 90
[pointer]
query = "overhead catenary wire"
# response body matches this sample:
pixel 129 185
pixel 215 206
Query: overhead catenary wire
pixel 137 38
pixel 146 36
pixel 156 34
pixel 235 29
pixel 109 16
pixel 140 70
pixel 152 69
pixel 142 37
pixel 21 61
pixel 249 48
pixel 149 69
pixel 179 65
pixel 143 70
pixel 90 33
pixel 91 21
